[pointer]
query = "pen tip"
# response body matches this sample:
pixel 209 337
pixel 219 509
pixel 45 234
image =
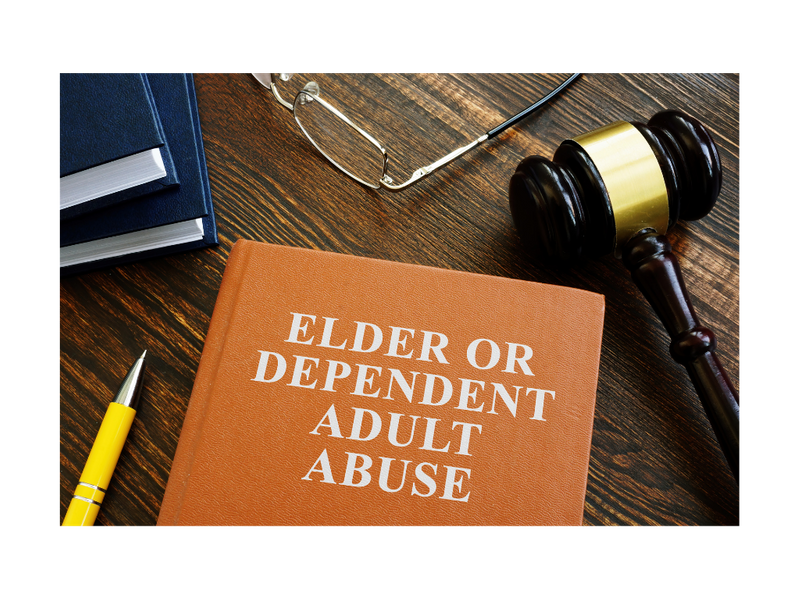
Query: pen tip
pixel 129 390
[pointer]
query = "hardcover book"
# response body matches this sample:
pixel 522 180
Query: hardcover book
pixel 339 390
pixel 113 146
pixel 175 219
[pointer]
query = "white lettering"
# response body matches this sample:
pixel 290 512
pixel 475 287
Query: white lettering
pixel 351 469
pixel 358 342
pixel 362 380
pixel 428 345
pixel 450 483
pixel 521 361
pixel 299 327
pixel 299 372
pixel 355 434
pixel 357 474
pixel 430 431
pixel 447 390
pixel 332 423
pixel 506 397
pixel 408 390
pixel 334 374
pixel 396 342
pixel 423 477
pixel 326 335
pixel 472 350
pixel 466 430
pixel 468 394
pixel 383 480
pixel 394 425
pixel 325 469
pixel 280 367
pixel 539 402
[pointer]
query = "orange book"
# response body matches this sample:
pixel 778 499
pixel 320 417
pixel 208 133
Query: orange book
pixel 337 390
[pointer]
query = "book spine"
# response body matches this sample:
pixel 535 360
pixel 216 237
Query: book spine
pixel 192 430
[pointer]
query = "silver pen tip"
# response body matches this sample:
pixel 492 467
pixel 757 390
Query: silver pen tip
pixel 131 387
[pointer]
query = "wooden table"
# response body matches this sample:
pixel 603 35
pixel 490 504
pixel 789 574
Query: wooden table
pixel 654 457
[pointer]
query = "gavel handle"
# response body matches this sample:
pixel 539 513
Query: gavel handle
pixel 655 270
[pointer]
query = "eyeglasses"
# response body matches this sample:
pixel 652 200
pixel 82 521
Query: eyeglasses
pixel 356 152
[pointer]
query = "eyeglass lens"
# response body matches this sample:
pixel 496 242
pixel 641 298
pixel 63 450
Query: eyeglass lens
pixel 343 145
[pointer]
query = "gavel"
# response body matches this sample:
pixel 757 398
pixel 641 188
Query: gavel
pixel 619 189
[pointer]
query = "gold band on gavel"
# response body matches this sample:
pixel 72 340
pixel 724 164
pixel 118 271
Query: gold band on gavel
pixel 632 178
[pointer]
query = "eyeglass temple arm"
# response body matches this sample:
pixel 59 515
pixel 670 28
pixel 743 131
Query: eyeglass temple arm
pixel 522 114
pixel 268 79
pixel 423 172
pixel 274 89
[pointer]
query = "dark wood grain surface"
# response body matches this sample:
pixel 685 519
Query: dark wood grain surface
pixel 654 458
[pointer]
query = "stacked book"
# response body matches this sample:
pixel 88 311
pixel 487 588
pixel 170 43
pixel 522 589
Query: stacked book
pixel 134 183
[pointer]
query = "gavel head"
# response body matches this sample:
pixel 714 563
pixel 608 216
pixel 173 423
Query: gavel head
pixel 603 187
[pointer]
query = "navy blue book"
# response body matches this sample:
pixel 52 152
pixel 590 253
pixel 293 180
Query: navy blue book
pixel 113 146
pixel 173 220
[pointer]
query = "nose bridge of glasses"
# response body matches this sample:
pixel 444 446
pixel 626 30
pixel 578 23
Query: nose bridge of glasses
pixel 266 79
pixel 270 81
pixel 309 92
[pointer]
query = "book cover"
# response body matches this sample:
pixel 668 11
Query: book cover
pixel 106 117
pixel 174 95
pixel 339 390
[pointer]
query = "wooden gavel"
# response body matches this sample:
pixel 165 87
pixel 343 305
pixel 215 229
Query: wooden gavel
pixel 619 189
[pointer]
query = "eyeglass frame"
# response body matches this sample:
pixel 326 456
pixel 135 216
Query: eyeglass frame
pixel 310 92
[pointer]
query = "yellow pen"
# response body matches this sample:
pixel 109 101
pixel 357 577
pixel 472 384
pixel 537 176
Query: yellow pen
pixel 106 449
